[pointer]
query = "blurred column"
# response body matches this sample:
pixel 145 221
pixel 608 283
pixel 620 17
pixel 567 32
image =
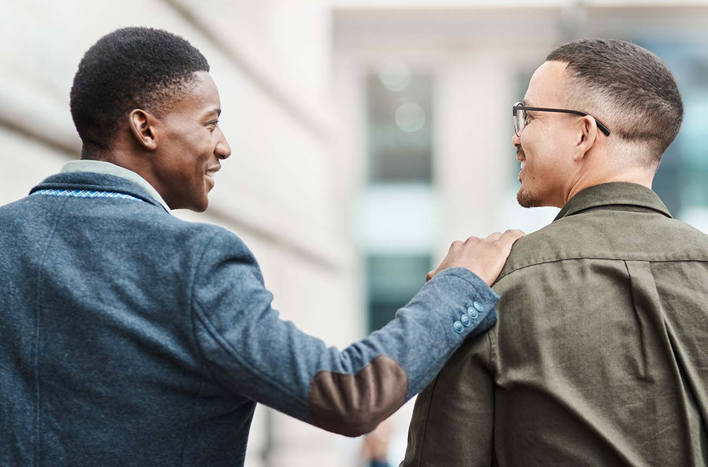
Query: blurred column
pixel 473 139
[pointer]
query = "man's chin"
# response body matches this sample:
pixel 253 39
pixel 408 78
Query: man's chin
pixel 527 199
pixel 199 205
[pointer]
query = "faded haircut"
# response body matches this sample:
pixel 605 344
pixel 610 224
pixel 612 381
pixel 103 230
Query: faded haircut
pixel 630 89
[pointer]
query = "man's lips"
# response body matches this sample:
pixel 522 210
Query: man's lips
pixel 210 172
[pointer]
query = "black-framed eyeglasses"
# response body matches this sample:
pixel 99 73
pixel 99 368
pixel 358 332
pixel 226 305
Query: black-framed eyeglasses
pixel 519 111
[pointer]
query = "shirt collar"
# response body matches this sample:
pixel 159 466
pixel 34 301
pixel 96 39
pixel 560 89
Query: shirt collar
pixel 108 168
pixel 613 194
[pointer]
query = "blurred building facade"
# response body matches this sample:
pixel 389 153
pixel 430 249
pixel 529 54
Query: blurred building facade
pixel 366 136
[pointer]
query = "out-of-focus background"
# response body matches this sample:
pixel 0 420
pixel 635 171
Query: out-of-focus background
pixel 366 136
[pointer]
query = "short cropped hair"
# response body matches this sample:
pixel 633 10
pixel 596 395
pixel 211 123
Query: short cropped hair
pixel 129 68
pixel 629 84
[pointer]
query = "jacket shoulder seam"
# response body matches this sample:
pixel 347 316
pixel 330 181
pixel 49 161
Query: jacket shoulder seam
pixel 599 257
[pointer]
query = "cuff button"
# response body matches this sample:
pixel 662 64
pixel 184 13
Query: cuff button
pixel 458 327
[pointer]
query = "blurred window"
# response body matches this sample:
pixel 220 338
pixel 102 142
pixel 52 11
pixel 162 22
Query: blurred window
pixel 391 282
pixel 681 179
pixel 399 125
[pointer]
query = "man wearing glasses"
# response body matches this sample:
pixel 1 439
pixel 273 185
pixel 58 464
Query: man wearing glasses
pixel 599 354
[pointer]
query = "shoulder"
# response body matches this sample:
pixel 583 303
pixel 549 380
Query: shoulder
pixel 206 235
pixel 219 248
pixel 611 235
pixel 538 247
pixel 168 234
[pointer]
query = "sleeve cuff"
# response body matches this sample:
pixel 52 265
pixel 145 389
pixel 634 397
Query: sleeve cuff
pixel 476 312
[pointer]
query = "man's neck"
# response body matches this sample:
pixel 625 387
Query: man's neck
pixel 124 155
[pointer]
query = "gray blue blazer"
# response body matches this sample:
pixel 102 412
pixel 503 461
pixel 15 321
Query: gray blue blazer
pixel 129 337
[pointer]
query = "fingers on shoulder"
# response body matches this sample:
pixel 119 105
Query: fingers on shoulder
pixel 513 234
pixel 494 237
pixel 456 245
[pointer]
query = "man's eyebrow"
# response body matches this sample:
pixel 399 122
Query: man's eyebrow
pixel 215 110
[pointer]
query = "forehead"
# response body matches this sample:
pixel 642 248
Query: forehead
pixel 200 96
pixel 548 85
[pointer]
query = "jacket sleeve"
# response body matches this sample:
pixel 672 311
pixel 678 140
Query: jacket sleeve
pixel 453 418
pixel 259 356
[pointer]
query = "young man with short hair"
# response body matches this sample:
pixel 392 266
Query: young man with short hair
pixel 130 337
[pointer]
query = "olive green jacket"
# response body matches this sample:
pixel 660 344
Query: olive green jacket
pixel 600 352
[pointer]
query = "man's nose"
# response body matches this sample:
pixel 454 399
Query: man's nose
pixel 222 150
pixel 515 140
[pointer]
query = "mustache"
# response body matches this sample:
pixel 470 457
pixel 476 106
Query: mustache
pixel 520 154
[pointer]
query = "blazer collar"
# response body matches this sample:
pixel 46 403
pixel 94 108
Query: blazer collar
pixel 109 168
pixel 614 194
pixel 97 182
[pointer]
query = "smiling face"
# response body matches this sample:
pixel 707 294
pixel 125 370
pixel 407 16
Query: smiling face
pixel 545 147
pixel 190 146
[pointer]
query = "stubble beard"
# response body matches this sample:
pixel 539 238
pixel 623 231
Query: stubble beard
pixel 526 199
pixel 524 196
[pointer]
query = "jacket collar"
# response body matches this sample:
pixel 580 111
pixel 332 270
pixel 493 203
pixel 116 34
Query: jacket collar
pixel 97 182
pixel 109 168
pixel 614 194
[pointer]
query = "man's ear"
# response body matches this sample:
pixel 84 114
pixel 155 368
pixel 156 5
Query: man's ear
pixel 142 125
pixel 587 137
